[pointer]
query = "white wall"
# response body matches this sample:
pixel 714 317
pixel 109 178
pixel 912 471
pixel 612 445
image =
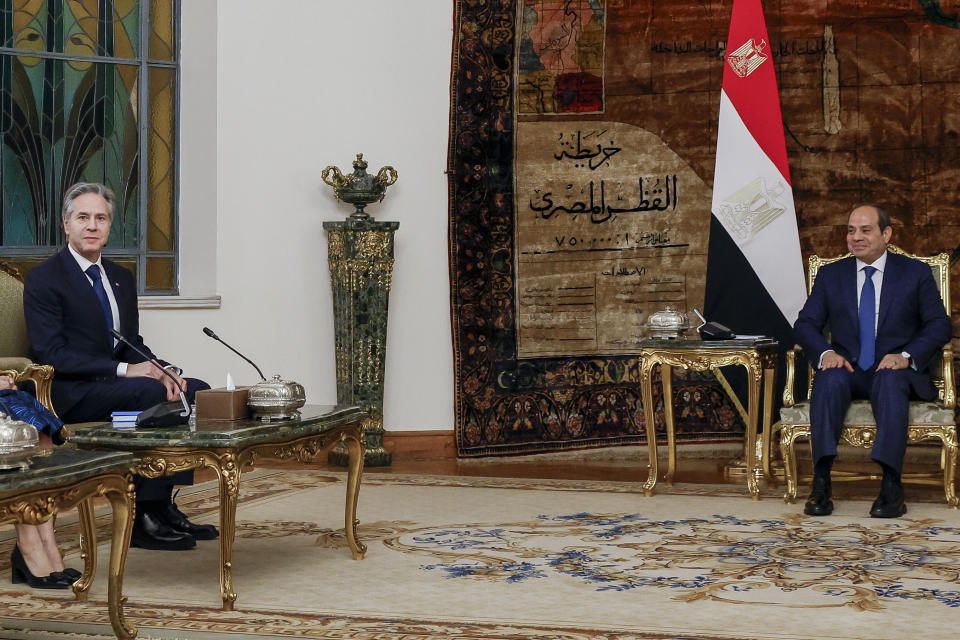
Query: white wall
pixel 299 85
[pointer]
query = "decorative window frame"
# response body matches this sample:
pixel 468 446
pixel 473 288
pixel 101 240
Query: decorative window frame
pixel 198 172
pixel 144 64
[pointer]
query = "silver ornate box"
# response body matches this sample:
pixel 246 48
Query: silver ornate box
pixel 19 442
pixel 275 399
pixel 667 324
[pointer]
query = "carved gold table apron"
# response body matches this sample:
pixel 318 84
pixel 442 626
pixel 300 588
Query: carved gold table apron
pixel 67 478
pixel 759 357
pixel 229 446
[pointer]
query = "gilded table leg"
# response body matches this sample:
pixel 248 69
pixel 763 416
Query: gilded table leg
pixel 769 378
pixel 88 548
pixel 229 473
pixel 121 498
pixel 355 449
pixel 753 412
pixel 666 377
pixel 646 388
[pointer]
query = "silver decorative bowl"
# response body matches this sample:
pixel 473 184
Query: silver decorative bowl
pixel 19 442
pixel 667 324
pixel 275 399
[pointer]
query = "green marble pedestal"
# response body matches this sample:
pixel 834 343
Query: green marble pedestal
pixel 361 266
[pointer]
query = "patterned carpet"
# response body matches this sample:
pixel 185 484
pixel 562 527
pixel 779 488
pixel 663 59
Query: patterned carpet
pixel 501 558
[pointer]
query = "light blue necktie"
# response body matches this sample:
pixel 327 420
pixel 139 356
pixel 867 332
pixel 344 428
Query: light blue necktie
pixel 868 310
pixel 94 273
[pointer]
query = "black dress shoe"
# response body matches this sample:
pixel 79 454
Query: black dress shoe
pixel 890 503
pixel 176 520
pixel 150 532
pixel 20 572
pixel 819 502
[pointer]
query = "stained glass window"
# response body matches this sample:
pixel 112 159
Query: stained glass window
pixel 73 77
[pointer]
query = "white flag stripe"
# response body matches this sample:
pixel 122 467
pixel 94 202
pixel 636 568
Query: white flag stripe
pixel 772 247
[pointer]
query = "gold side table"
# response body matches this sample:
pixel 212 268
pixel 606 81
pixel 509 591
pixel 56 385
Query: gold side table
pixel 758 357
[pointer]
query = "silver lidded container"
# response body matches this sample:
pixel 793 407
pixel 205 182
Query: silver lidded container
pixel 275 399
pixel 667 324
pixel 19 442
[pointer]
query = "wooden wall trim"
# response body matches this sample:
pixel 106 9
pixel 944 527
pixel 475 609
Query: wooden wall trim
pixel 420 444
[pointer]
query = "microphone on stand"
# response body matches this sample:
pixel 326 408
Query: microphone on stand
pixel 210 333
pixel 165 414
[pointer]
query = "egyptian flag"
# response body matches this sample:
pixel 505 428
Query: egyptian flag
pixel 755 282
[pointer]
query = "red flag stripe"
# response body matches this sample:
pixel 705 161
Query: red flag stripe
pixel 753 91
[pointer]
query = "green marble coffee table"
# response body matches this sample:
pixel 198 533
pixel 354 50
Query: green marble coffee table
pixel 227 446
pixel 65 478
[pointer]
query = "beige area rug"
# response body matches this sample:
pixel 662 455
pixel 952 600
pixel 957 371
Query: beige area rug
pixel 498 558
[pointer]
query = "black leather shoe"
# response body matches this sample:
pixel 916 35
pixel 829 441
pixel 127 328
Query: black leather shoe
pixel 176 520
pixel 890 503
pixel 20 572
pixel 819 502
pixel 150 532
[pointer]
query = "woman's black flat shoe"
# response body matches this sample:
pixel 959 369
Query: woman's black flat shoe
pixel 20 572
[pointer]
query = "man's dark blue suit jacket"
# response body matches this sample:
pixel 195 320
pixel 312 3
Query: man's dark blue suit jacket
pixel 911 318
pixel 68 330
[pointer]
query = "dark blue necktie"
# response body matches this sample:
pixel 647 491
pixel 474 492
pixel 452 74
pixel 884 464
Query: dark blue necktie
pixel 868 310
pixel 94 273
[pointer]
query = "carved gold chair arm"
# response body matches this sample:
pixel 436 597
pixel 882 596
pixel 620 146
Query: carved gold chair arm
pixel 791 376
pixel 949 388
pixel 42 377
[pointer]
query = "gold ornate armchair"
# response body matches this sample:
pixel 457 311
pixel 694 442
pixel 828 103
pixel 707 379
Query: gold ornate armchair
pixel 14 343
pixel 927 420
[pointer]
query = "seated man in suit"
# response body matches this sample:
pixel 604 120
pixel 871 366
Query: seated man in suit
pixel 887 321
pixel 71 302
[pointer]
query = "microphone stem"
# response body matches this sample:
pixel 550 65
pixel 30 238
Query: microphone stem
pixel 244 357
pixel 119 336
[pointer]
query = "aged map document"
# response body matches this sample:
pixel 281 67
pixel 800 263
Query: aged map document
pixel 611 225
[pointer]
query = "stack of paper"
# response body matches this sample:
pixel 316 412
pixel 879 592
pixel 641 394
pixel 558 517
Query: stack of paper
pixel 124 419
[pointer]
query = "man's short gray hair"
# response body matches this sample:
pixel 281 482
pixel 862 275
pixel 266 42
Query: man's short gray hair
pixel 82 188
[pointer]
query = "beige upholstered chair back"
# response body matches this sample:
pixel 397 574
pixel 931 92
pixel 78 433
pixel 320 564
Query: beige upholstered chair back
pixel 940 266
pixel 14 343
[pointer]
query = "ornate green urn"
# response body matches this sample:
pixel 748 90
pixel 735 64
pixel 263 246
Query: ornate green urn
pixel 360 257
pixel 359 188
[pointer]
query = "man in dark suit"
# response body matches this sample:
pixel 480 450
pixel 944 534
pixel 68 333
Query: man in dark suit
pixel 887 322
pixel 71 301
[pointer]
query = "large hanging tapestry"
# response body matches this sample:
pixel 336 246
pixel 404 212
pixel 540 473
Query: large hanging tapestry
pixel 581 164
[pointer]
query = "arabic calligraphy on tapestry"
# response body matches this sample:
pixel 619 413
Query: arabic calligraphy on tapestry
pixel 611 225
